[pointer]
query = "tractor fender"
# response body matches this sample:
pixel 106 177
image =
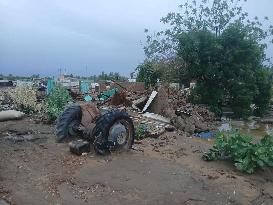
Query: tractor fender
pixel 90 113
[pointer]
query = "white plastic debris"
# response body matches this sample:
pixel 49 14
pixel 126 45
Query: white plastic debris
pixel 157 117
pixel 11 115
pixel 151 98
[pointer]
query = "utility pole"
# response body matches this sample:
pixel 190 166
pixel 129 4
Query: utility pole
pixel 86 72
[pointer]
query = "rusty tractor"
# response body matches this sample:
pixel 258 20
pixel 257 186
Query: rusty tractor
pixel 107 131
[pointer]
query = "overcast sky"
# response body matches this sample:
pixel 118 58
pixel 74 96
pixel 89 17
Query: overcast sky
pixel 42 36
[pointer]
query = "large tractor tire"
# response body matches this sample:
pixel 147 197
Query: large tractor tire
pixel 113 131
pixel 68 123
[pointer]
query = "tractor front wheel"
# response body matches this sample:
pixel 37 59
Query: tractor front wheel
pixel 68 123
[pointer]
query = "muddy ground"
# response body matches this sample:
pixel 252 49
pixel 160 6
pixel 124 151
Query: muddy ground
pixel 168 170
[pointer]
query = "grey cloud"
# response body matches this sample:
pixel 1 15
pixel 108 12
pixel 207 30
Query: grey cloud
pixel 42 36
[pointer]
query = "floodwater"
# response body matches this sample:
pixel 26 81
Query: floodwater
pixel 250 127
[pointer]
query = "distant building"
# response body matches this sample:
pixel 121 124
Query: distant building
pixel 7 83
pixel 131 80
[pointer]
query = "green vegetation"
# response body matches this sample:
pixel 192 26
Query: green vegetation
pixel 12 77
pixel 101 77
pixel 147 74
pixel 227 68
pixel 56 102
pixel 246 155
pixel 141 131
pixel 221 48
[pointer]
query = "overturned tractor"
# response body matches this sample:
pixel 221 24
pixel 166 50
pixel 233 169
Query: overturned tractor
pixel 112 130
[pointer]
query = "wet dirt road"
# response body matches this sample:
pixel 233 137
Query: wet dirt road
pixel 168 170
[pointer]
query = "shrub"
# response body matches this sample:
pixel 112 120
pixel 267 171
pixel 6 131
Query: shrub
pixel 24 99
pixel 141 131
pixel 56 102
pixel 246 155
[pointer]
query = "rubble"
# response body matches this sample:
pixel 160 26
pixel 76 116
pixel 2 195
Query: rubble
pixel 184 116
pixel 136 104
pixel 158 109
pixel 164 106
pixel 119 98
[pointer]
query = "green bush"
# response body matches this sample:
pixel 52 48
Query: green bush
pixel 228 68
pixel 141 131
pixel 56 101
pixel 246 155
pixel 147 74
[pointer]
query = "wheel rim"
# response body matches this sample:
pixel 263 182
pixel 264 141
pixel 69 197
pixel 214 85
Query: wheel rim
pixel 73 128
pixel 120 135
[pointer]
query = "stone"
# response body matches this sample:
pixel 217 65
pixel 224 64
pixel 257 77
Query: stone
pixel 190 128
pixel 79 147
pixel 179 122
pixel 170 128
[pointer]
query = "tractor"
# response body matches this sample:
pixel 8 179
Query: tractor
pixel 107 130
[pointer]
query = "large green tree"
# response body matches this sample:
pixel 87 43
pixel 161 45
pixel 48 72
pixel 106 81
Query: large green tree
pixel 197 15
pixel 228 68
pixel 217 44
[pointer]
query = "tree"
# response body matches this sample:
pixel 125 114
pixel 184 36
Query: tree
pixel 201 54
pixel 147 74
pixel 111 76
pixel 219 46
pixel 227 68
pixel 195 15
pixel 263 97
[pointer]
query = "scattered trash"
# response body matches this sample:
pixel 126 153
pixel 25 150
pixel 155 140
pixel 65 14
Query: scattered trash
pixel 50 86
pixel 88 98
pixel 107 94
pixel 84 87
pixel 205 135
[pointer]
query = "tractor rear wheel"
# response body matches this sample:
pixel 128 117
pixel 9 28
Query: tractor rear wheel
pixel 113 131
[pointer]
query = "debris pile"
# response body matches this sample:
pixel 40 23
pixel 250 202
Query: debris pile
pixel 149 109
pixel 149 125
pixel 159 110
pixel 5 99
pixel 184 116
